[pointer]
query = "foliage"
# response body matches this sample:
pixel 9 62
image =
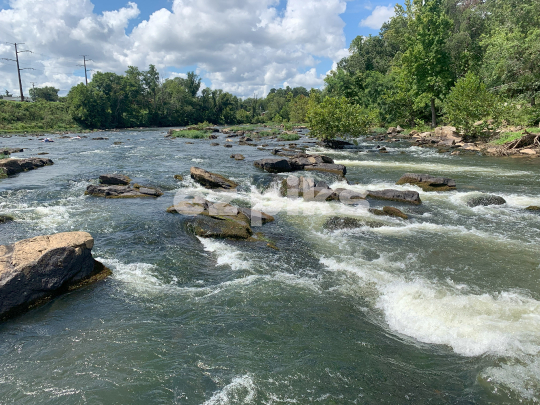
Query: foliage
pixel 470 102
pixel 47 93
pixel 245 128
pixel 289 137
pixel 191 134
pixel 2 156
pixel 35 117
pixel 337 117
pixel 506 137
pixel 89 107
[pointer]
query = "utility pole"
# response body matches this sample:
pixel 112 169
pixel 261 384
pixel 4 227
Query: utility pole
pixel 17 52
pixel 84 65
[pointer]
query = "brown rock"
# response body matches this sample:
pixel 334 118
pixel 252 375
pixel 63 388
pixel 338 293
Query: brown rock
pixel 212 180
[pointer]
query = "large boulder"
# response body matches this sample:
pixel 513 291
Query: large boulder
pixel 274 165
pixel 35 270
pixel 114 179
pixel 486 200
pixel 448 134
pixel 307 188
pixel 411 197
pixel 11 167
pixel 212 180
pixel 122 191
pixel 427 182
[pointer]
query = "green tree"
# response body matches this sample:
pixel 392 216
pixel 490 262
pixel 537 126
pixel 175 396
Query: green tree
pixel 47 93
pixel 336 117
pixel 88 107
pixel 426 60
pixel 471 107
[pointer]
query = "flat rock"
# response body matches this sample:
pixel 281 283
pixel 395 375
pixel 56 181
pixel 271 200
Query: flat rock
pixel 274 165
pixel 114 179
pixel 34 270
pixel 486 200
pixel 427 182
pixel 11 167
pixel 122 191
pixel 212 180
pixel 340 223
pixel 225 227
pixel 411 197
pixel 329 168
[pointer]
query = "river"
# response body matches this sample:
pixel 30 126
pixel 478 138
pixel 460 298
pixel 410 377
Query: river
pixel 443 308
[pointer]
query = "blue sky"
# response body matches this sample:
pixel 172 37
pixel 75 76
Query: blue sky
pixel 242 46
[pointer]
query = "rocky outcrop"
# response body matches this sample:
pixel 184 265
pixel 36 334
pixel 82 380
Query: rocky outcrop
pixel 341 223
pixel 219 220
pixel 114 179
pixel 35 270
pixel 427 182
pixel 11 167
pixel 212 180
pixel 411 197
pixel 274 165
pixel 390 212
pixel 486 200
pixel 122 191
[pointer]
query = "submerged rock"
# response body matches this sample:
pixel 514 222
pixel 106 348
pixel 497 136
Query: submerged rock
pixel 533 208
pixel 486 200
pixel 427 182
pixel 178 177
pixel 35 270
pixel 11 167
pixel 114 179
pixel 340 223
pixel 212 180
pixel 6 218
pixel 390 211
pixel 122 191
pixel 411 197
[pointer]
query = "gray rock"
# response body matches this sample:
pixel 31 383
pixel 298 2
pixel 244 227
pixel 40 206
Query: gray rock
pixel 212 180
pixel 411 197
pixel 11 167
pixel 122 191
pixel 114 179
pixel 340 223
pixel 486 200
pixel 274 165
pixel 428 182
pixel 237 157
pixel 34 270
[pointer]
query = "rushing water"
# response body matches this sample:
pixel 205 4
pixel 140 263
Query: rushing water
pixel 442 309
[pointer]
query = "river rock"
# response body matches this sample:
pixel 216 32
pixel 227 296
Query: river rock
pixel 533 208
pixel 335 144
pixel 122 191
pixel 390 211
pixel 237 157
pixel 11 167
pixel 258 218
pixel 329 168
pixel 274 165
pixel 114 179
pixel 427 182
pixel 6 218
pixel 9 151
pixel 307 188
pixel 212 180
pixel 226 227
pixel 486 200
pixel 35 270
pixel 411 197
pixel 340 223
pixel 178 177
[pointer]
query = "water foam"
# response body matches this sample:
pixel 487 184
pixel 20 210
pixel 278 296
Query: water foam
pixel 226 254
pixel 241 390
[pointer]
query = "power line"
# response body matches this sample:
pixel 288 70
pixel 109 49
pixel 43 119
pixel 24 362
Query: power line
pixel 17 52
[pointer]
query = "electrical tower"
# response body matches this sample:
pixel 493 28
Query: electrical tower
pixel 17 52
pixel 84 65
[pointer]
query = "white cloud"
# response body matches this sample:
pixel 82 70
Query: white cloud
pixel 242 46
pixel 378 17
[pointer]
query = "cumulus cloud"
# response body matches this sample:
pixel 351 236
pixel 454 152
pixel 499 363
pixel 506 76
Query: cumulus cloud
pixel 378 17
pixel 241 46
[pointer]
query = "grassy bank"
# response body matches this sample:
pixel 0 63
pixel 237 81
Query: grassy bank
pixel 37 117
pixel 191 134
pixel 506 137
